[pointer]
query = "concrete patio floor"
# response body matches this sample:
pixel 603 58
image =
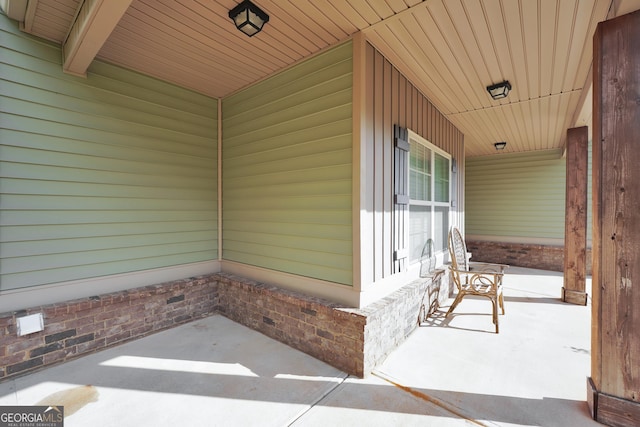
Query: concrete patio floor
pixel 451 371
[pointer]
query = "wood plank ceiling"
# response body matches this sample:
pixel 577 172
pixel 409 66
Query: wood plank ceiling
pixel 450 49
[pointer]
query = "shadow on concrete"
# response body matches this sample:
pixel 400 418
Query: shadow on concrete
pixel 265 387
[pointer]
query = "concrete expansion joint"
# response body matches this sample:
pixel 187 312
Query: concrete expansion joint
pixel 320 399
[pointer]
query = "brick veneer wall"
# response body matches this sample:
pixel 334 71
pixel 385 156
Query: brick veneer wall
pixel 315 326
pixel 85 325
pixel 392 319
pixel 544 257
pixel 353 340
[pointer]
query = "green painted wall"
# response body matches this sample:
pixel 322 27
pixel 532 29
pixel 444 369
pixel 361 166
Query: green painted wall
pixel 519 195
pixel 110 174
pixel 516 195
pixel 287 167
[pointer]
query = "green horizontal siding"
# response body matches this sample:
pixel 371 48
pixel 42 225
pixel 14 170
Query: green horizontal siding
pixel 516 195
pixel 105 175
pixel 287 185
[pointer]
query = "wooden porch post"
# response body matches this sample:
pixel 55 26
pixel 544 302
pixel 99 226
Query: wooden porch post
pixel 614 386
pixel 575 223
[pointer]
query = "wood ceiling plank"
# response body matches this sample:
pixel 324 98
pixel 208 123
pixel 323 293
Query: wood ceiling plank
pixel 578 41
pixel 524 112
pixel 189 54
pixel 397 5
pixel 211 19
pixel 565 23
pixel 49 28
pixel 297 25
pixel 548 109
pixel 472 63
pixel 497 28
pixel 510 115
pixel 547 44
pixel 475 125
pixel 515 40
pixel 568 104
pixel 435 51
pixel 328 29
pixel 147 57
pixel 176 75
pixel 63 15
pixel 531 35
pixel 599 13
pixel 503 130
pixel 195 45
pixel 335 15
pixel 347 10
pixel 428 60
pixel 477 140
pixel 381 8
pixel 388 41
pixel 365 9
pixel 482 35
pixel 573 102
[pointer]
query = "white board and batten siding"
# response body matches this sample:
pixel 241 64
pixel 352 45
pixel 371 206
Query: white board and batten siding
pixel 287 172
pixel 107 175
pixel 391 99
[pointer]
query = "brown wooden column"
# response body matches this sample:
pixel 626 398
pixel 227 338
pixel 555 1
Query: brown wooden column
pixel 614 386
pixel 575 223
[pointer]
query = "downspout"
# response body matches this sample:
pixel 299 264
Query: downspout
pixel 219 179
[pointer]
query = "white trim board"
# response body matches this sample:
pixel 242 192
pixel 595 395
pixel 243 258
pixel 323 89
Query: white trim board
pixel 341 294
pixel 20 299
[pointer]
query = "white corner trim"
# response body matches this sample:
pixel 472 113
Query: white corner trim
pixel 19 299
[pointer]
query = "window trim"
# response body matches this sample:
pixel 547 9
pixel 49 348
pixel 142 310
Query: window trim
pixel 441 255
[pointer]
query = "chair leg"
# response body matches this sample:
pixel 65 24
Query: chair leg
pixel 455 303
pixel 502 302
pixel 494 302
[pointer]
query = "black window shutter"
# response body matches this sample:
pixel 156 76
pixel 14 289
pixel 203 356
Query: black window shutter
pixel 401 197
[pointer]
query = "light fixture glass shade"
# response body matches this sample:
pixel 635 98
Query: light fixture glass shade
pixel 248 17
pixel 499 90
pixel 500 145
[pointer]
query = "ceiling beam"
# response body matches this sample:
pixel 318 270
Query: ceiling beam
pixel 93 25
pixel 14 9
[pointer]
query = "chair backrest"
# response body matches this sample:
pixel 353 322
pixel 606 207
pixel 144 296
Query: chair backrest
pixel 458 250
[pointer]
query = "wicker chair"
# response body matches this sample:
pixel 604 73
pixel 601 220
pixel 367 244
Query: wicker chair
pixel 474 278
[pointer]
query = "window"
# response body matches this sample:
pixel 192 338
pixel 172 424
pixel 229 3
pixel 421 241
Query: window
pixel 429 196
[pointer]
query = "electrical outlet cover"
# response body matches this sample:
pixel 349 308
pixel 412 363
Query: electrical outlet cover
pixel 30 324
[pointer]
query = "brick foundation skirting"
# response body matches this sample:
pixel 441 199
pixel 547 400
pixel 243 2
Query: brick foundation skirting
pixel 85 325
pixel 353 340
pixel 544 257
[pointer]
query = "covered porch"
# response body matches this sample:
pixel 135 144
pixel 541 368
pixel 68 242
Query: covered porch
pixel 149 144
pixel 452 371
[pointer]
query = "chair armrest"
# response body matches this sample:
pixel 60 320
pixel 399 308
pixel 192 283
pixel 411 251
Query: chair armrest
pixel 478 279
